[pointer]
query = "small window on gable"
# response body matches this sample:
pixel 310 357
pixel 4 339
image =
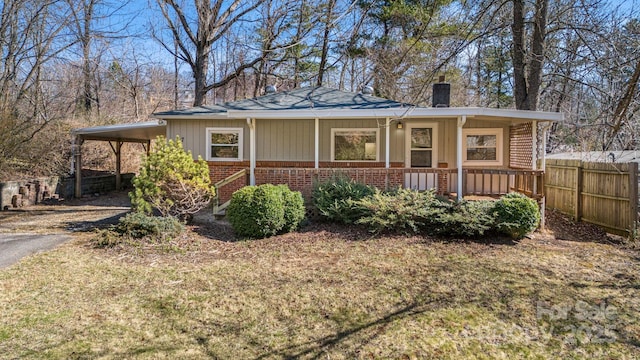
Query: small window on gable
pixel 355 144
pixel 224 144
pixel 482 146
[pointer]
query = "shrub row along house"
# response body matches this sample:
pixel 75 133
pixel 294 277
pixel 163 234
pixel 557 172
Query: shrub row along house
pixel 306 134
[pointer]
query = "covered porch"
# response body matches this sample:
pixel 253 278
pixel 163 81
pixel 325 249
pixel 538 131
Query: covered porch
pixel 467 151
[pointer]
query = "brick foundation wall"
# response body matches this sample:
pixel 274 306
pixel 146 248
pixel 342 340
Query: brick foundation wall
pixel 301 175
pixel 220 170
pixel 224 193
pixel 303 179
pixel 521 146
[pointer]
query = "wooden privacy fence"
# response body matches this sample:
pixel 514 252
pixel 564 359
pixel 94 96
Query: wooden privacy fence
pixel 604 194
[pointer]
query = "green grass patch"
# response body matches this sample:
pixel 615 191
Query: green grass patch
pixel 319 295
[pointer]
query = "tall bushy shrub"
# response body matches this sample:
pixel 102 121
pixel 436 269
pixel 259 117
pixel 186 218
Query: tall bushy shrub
pixel 265 210
pixel 516 215
pixel 172 182
pixel 336 199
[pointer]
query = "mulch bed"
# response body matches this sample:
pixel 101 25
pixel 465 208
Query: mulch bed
pixel 563 228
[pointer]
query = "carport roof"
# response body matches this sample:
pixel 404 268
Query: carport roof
pixel 133 132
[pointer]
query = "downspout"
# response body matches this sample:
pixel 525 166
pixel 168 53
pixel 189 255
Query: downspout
pixel 252 150
pixel 387 135
pixel 461 121
pixel 317 144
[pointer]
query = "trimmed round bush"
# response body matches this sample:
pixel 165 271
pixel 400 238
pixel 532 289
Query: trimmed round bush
pixel 265 210
pixel 294 209
pixel 516 215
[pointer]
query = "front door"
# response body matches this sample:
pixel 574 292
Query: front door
pixel 421 146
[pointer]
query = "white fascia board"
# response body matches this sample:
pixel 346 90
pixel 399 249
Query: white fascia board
pixel 487 112
pixel 117 127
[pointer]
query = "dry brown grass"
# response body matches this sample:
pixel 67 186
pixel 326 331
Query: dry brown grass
pixel 327 292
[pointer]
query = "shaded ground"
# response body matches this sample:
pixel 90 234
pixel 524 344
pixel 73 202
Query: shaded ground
pixel 325 292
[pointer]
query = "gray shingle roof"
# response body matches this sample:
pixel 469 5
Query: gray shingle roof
pixel 319 98
pixel 314 98
pixel 198 110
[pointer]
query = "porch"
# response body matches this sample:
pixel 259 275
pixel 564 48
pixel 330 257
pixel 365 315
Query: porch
pixel 475 182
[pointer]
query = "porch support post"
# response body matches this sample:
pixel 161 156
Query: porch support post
pixel 316 140
pixel 543 160
pixel 252 150
pixel 534 146
pixel 118 165
pixel 534 158
pixel 77 155
pixel 387 135
pixel 461 121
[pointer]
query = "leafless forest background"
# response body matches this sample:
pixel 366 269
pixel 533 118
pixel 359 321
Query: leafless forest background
pixel 68 64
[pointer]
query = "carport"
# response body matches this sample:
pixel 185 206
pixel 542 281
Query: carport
pixel 116 135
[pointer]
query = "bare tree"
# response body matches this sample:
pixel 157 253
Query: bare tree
pixel 86 17
pixel 195 41
pixel 527 63
pixel 30 38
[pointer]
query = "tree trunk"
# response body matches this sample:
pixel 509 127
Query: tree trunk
pixel 325 42
pixel 518 54
pixel 200 75
pixel 527 66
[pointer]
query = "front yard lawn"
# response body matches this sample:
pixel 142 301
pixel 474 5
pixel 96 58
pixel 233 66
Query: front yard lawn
pixel 324 293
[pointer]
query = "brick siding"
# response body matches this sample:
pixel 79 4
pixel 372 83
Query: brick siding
pixel 303 179
pixel 301 175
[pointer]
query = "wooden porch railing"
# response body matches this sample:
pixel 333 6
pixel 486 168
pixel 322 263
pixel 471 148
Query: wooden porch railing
pixel 479 182
pixel 495 182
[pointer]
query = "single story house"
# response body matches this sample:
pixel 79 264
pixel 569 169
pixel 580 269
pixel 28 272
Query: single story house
pixel 298 136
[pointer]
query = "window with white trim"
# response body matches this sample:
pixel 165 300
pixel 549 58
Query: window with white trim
pixel 482 146
pixel 355 144
pixel 224 144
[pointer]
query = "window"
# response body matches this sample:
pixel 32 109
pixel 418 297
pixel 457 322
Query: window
pixel 224 144
pixel 421 147
pixel 354 144
pixel 482 146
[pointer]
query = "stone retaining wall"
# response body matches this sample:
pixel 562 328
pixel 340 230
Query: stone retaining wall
pixel 15 194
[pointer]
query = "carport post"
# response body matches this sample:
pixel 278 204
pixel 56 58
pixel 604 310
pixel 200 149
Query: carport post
pixel 118 165
pixel 78 167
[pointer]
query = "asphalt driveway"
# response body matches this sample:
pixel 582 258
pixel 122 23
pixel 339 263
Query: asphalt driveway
pixel 38 228
pixel 14 247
